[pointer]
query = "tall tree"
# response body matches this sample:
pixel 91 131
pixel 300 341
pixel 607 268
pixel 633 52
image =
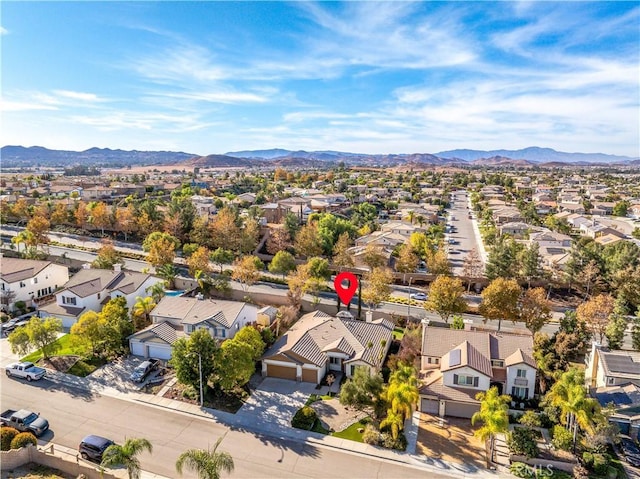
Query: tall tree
pixel 161 248
pixel 127 455
pixel 107 256
pixel 437 262
pixel 234 364
pixel 186 356
pixel 501 262
pixel 247 271
pixel 221 257
pixel 500 301
pixel 205 464
pixel 472 267
pixel 36 334
pixel 374 257
pixel 89 329
pixel 100 216
pixel 535 309
pixel 446 297
pixel 282 263
pixel 279 240
pixel 595 314
pixel 494 415
pixel 126 220
pixel 530 263
pixel 199 261
pixel 252 337
pixel 297 282
pixel 407 261
pixel 341 256
pixel 224 230
pixel 141 312
pixel 308 242
pixel 377 286
pixel 117 326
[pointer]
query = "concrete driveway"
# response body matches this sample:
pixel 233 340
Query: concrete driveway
pixel 115 375
pixel 274 402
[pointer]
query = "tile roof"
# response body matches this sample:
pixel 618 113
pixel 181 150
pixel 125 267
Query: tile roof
pixel 55 309
pixel 17 269
pixel 194 311
pixel 315 333
pixel 519 357
pixel 91 281
pixel 164 331
pixel 468 356
pixel 435 387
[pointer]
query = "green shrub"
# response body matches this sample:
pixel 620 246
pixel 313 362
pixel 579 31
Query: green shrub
pixel 387 440
pixel 371 435
pixel 530 419
pixel 23 439
pixel 304 418
pixel 562 438
pixel 6 436
pixel 520 469
pixel 522 441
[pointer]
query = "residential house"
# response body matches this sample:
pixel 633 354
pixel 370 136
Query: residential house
pixel 611 368
pixel 602 208
pixel 457 364
pixel 550 239
pixel 319 343
pixel 90 289
pixel 28 280
pixel 506 214
pixel 177 316
pixel 625 401
pixel 402 228
pixel 517 229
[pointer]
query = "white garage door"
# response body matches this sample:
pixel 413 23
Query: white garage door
pixel 137 348
pixel 430 406
pixel 159 352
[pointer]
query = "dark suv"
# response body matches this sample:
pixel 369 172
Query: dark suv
pixel 91 448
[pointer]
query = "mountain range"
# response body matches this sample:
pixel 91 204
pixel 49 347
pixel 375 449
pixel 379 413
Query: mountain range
pixel 19 156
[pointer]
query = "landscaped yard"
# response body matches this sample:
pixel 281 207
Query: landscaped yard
pixel 67 347
pixel 352 432
pixel 398 333
pixel 70 357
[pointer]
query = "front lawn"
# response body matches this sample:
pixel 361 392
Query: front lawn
pixel 351 432
pixel 398 333
pixel 84 367
pixel 67 347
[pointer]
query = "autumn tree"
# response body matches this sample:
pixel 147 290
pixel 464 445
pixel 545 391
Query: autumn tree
pixel 500 301
pixel 437 262
pixel 100 216
pixel 224 230
pixel 161 248
pixel 341 256
pixel 107 256
pixel 595 314
pixel 249 236
pixel 307 242
pixel 125 220
pixel 199 261
pixel 377 286
pixel 446 297
pixel 535 309
pixel 81 214
pixel 472 267
pixel 221 257
pixel 279 240
pixel 60 214
pixel 297 282
pixel 247 271
pixel 374 257
pixel 38 226
pixel 407 261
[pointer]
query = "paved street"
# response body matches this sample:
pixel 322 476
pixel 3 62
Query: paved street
pixel 466 237
pixel 74 413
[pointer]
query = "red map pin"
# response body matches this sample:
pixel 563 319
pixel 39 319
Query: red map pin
pixel 345 294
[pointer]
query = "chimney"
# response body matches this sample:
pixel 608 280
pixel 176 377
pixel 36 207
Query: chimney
pixel 200 297
pixel 368 316
pixel 117 267
pixel 86 266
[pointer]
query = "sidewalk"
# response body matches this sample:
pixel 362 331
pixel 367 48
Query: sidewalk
pixel 247 423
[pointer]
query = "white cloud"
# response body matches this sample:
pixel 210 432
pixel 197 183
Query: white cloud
pixel 76 95
pixel 3 31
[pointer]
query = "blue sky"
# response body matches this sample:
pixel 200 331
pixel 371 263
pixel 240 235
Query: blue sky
pixel 395 77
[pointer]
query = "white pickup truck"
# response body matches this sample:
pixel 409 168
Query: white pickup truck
pixel 28 371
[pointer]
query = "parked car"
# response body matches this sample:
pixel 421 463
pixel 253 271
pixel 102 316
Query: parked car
pixel 28 371
pixel 12 324
pixel 25 421
pixel 631 451
pixel 140 373
pixel 92 447
pixel 418 296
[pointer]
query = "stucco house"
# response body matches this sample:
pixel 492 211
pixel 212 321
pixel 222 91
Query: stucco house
pixel 177 316
pixel 90 289
pixel 319 343
pixel 457 364
pixel 28 280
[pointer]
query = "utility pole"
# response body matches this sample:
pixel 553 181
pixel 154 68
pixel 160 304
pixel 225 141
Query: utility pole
pixel 201 385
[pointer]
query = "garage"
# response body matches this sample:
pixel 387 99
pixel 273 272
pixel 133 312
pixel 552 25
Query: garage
pixel 460 409
pixel 429 406
pixel 284 372
pixel 159 351
pixel 310 376
pixel 137 348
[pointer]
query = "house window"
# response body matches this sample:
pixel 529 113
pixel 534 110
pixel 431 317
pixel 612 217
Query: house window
pixel 22 285
pixel 464 380
pixel 497 363
pixel 35 280
pixel 521 393
pixel 353 370
pixel 431 360
pixel 68 300
pixel 188 328
pixel 333 360
pixel 521 373
pixel 98 295
pixel 610 380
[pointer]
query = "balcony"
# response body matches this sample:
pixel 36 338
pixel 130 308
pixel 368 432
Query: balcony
pixel 521 382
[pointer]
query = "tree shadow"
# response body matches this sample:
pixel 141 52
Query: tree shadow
pixel 73 391
pixel 284 440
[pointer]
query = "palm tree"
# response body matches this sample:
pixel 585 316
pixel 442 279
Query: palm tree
pixel 156 291
pixel 494 414
pixel 125 455
pixel 206 464
pixel 395 421
pixel 570 395
pixel 401 394
pixel 141 310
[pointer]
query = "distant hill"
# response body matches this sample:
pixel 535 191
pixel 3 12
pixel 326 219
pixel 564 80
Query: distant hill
pixel 502 161
pixel 222 161
pixel 535 154
pixel 16 156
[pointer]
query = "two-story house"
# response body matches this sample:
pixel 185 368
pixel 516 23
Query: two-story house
pixel 177 316
pixel 90 289
pixel 28 280
pixel 458 364
pixel 318 344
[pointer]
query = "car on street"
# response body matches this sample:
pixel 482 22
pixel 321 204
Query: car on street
pixel 418 296
pixel 25 421
pixel 631 451
pixel 145 368
pixel 92 447
pixel 12 324
pixel 26 370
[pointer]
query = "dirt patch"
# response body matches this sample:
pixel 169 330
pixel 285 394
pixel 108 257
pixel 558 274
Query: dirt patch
pixel 222 402
pixel 34 471
pixel 453 441
pixel 59 363
pixel 335 416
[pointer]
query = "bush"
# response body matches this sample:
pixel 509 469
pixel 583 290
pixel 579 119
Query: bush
pixel 304 418
pixel 598 463
pixel 545 421
pixel 371 435
pixel 23 439
pixel 514 418
pixel 580 472
pixel 6 436
pixel 562 438
pixel 522 441
pixel 530 419
pixel 387 440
